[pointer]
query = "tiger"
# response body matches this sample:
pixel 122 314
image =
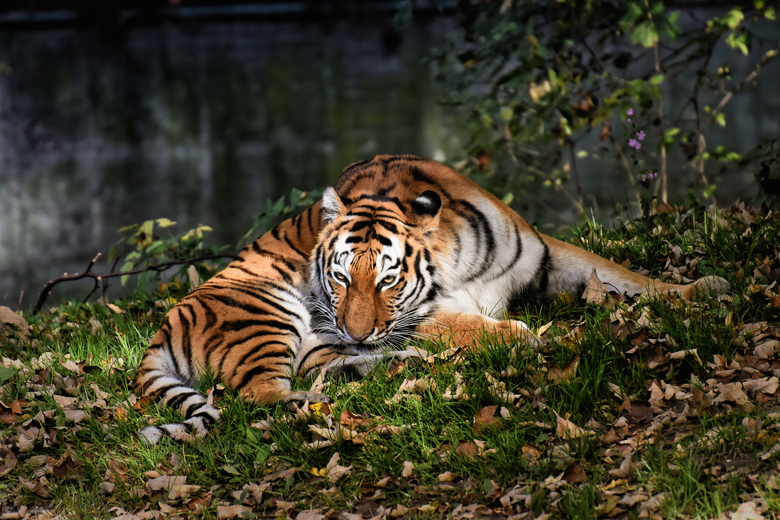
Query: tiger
pixel 402 247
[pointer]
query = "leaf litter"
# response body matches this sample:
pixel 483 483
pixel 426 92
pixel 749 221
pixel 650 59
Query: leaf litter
pixel 720 406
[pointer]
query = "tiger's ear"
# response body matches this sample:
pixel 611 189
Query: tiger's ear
pixel 332 206
pixel 426 210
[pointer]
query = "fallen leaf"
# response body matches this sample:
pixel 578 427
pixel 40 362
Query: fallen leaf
pixel 730 392
pixel 566 429
pixel 467 450
pixel 626 469
pixel 747 511
pixel 486 418
pixel 165 482
pixel 574 474
pixel 9 317
pixel 596 292
pixel 234 511
pixel 764 385
pixel 565 374
pixel 332 471
pixel 447 476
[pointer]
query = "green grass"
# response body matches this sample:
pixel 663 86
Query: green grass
pixel 695 452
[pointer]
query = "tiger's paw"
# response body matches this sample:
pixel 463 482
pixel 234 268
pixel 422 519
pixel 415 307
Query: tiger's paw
pixel 518 329
pixel 357 367
pixel 710 286
pixel 298 400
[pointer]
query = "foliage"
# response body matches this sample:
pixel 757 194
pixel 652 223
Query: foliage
pixel 549 85
pixel 278 210
pixel 144 247
pixel 648 407
pixel 145 252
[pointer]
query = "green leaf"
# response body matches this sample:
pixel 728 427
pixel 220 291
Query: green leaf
pixel 507 113
pixel 721 119
pixel 645 34
pixel 657 79
pixel 228 468
pixel 164 222
pixel 6 373
pixel 143 236
pixel 112 253
pixel 733 18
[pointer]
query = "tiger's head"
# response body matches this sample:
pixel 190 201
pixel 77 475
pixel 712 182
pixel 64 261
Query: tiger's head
pixel 374 275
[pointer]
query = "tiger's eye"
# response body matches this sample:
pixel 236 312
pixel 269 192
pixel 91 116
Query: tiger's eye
pixel 339 277
pixel 387 280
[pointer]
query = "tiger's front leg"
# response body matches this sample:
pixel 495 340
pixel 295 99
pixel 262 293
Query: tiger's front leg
pixel 334 363
pixel 465 329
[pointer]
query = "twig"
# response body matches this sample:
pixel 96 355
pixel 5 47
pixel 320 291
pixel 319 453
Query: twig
pixel 87 273
pixel 771 53
pixel 662 131
pixel 576 174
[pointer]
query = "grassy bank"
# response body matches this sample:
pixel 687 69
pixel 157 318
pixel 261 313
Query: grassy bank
pixel 647 407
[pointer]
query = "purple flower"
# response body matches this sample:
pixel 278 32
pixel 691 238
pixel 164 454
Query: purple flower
pixel 630 112
pixel 640 135
pixel 633 143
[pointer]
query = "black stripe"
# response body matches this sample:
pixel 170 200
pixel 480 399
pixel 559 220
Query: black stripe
pixel 293 247
pixel 260 347
pixel 177 401
pixel 276 324
pixel 315 350
pixel 253 373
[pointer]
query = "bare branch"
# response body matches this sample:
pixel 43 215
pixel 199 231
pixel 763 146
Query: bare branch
pixel 771 53
pixel 87 273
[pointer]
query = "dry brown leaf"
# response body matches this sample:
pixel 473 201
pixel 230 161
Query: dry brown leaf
pixel 596 292
pixel 467 450
pixel 764 385
pixel 626 469
pixel 565 374
pixel 747 511
pixel 486 418
pixel 334 471
pixel 574 474
pixel 680 354
pixel 730 392
pixel 76 416
pixel 767 349
pixel 353 421
pixel 165 482
pixel 566 429
pixel 447 476
pixel 656 395
pixel 9 317
pixel 234 511
pixel 182 491
pixel 408 469
pixel 310 514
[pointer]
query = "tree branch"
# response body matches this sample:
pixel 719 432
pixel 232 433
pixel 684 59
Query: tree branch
pixel 87 273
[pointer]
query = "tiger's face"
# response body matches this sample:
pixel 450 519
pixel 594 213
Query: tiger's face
pixel 373 273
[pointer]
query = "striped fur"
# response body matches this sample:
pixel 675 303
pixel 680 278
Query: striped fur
pixel 402 247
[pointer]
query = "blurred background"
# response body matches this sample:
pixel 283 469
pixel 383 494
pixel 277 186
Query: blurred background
pixel 115 112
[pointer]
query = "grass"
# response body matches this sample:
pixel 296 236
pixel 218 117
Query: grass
pixel 637 407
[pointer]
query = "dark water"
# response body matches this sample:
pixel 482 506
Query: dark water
pixel 199 123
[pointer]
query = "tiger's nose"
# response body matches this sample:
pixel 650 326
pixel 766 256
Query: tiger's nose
pixel 358 337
